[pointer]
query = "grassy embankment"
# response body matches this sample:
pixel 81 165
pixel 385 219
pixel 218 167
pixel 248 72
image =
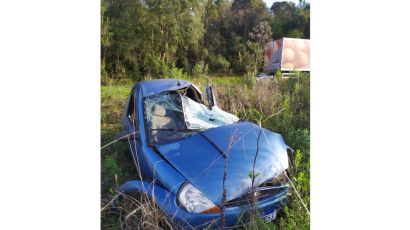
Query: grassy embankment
pixel 280 105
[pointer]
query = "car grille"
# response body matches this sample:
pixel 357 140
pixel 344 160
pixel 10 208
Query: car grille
pixel 262 192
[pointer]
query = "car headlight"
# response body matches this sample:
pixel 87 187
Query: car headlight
pixel 194 201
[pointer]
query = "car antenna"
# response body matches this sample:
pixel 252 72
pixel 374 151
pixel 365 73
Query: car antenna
pixel 179 84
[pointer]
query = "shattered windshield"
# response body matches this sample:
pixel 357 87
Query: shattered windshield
pixel 171 116
pixel 198 116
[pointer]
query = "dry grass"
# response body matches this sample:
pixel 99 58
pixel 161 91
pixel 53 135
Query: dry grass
pixel 280 105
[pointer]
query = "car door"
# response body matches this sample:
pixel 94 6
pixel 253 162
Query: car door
pixel 130 123
pixel 211 97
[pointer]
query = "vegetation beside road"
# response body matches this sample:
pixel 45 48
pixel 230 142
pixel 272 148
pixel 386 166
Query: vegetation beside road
pixel 158 38
pixel 280 105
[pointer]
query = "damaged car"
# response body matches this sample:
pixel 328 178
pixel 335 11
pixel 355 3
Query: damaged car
pixel 198 162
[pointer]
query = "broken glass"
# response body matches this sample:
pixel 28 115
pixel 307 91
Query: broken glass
pixel 164 117
pixel 198 116
pixel 170 116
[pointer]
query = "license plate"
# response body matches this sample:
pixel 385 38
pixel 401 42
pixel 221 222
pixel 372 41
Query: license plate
pixel 269 216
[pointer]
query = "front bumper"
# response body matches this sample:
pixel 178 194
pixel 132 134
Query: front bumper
pixel 167 201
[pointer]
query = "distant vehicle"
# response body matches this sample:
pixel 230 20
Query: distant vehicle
pixel 181 147
pixel 287 55
pixel 264 76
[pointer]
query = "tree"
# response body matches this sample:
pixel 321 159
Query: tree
pixel 290 20
pixel 142 38
pixel 259 35
pixel 106 36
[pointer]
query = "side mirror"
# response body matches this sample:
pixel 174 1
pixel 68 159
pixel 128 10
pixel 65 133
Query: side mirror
pixel 125 135
pixel 211 96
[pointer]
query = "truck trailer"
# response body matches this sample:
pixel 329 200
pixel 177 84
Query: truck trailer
pixel 287 55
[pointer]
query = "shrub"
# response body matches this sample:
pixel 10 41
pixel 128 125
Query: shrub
pixel 154 66
pixel 200 69
pixel 249 79
pixel 176 73
pixel 218 63
pixel 295 33
pixel 111 166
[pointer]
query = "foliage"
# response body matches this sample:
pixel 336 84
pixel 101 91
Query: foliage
pixel 218 63
pixel 249 79
pixel 280 105
pixel 193 40
pixel 145 39
pixel 291 97
pixel 259 35
pixel 200 69
pixel 290 20
pixel 176 73
pixel 155 66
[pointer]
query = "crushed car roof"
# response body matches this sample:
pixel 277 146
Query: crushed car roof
pixel 151 87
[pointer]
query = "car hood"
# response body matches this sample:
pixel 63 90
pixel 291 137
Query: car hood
pixel 203 158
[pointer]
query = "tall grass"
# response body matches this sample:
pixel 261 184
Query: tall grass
pixel 280 105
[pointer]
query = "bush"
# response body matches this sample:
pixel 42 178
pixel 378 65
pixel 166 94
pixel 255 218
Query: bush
pixel 200 69
pixel 154 66
pixel 111 166
pixel 218 63
pixel 175 73
pixel 295 33
pixel 249 79
pixel 283 107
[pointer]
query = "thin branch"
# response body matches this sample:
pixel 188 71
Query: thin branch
pixel 118 139
pixel 274 114
pixel 112 200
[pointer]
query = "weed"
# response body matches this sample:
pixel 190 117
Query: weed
pixel 280 105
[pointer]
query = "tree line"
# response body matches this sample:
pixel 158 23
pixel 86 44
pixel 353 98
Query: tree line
pixel 157 38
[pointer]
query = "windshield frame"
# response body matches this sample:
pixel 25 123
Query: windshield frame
pixel 188 131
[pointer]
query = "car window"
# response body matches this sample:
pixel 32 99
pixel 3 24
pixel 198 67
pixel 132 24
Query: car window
pixel 198 116
pixel 164 117
pixel 170 116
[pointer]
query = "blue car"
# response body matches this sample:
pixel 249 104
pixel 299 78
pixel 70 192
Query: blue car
pixel 198 162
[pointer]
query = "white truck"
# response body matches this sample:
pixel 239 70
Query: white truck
pixel 287 55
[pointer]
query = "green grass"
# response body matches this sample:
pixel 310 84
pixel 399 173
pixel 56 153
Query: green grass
pixel 280 105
